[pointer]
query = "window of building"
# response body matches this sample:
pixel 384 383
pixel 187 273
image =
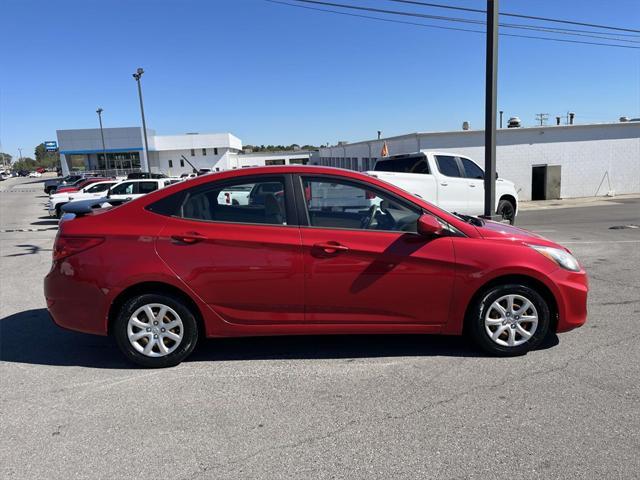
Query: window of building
pixel 448 166
pixel 181 162
pixel 279 161
pixel 204 152
pixel 193 152
pixel 170 163
pixel 259 202
pixel 215 151
pixel 343 204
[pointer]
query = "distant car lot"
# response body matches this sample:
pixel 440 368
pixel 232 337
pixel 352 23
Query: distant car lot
pixel 323 407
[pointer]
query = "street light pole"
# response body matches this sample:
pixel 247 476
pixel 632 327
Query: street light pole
pixel 137 76
pixel 491 84
pixel 104 150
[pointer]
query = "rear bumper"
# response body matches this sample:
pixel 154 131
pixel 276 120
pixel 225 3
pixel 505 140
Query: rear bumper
pixel 75 303
pixel 571 294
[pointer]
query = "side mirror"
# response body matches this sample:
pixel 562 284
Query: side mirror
pixel 429 226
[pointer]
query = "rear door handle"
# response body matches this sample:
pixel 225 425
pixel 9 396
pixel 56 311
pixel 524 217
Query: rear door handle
pixel 331 247
pixel 472 185
pixel 444 184
pixel 189 238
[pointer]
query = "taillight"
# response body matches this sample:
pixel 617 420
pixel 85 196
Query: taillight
pixel 369 195
pixel 307 192
pixel 65 246
pixel 227 197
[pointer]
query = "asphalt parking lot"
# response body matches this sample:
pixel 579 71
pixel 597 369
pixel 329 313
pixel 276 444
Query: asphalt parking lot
pixel 324 407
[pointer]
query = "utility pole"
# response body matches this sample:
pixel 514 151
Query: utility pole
pixel 491 85
pixel 542 118
pixel 137 76
pixel 104 150
pixel 20 150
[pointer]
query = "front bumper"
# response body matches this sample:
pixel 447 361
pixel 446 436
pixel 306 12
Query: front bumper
pixel 571 294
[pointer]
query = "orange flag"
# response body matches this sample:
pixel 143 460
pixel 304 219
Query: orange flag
pixel 385 150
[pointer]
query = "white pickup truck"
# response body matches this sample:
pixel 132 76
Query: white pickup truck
pixel 452 182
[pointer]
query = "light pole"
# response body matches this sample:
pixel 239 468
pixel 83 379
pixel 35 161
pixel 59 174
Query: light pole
pixel 491 84
pixel 137 76
pixel 104 150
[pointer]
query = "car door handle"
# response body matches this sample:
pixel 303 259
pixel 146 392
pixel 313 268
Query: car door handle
pixel 472 185
pixel 444 184
pixel 189 238
pixel 331 247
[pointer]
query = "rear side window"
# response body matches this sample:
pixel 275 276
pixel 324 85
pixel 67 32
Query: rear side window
pixel 404 165
pixel 448 166
pixel 147 187
pixel 471 170
pixel 261 202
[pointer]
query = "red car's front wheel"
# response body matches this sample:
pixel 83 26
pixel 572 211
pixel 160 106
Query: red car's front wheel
pixel 509 320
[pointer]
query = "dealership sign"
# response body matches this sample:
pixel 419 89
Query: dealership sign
pixel 51 146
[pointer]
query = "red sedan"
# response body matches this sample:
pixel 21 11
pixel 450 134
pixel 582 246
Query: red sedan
pixel 304 250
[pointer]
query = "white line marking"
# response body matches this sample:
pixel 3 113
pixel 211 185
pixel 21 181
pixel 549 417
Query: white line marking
pixel 601 241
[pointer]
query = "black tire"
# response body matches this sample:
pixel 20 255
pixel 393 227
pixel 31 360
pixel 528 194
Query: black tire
pixel 184 348
pixel 507 210
pixel 59 210
pixel 478 331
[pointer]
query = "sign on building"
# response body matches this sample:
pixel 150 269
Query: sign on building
pixel 51 146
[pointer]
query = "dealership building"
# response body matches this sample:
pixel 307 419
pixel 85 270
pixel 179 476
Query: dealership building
pixel 586 160
pixel 173 155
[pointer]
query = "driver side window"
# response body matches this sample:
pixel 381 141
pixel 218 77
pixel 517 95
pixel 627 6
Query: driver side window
pixel 342 204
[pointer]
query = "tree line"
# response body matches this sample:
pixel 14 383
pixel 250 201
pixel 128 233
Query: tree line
pixel 43 159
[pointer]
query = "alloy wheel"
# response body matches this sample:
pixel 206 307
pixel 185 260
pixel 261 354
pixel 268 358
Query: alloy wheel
pixel 155 330
pixel 511 320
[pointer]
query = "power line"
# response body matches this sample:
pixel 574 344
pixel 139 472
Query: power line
pixel 440 27
pixel 516 15
pixel 455 19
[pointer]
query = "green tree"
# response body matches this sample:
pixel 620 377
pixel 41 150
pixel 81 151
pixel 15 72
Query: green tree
pixel 46 159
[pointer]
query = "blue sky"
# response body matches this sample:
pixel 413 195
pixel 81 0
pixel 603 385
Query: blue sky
pixel 275 74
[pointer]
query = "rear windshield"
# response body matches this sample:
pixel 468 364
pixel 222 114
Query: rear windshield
pixel 416 164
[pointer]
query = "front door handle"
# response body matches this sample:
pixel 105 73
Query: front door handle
pixel 472 185
pixel 331 247
pixel 189 238
pixel 444 184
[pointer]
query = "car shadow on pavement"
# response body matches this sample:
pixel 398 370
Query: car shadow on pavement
pixel 32 337
pixel 51 221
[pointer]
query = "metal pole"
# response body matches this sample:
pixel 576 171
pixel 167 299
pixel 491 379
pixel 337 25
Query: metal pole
pixel 104 150
pixel 137 76
pixel 501 112
pixel 490 110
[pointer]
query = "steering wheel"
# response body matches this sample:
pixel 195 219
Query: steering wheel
pixel 368 220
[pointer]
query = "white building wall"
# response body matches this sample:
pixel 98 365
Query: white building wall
pixel 594 158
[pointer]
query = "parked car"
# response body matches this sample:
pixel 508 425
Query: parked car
pixel 180 265
pixel 79 184
pixel 451 181
pixel 41 170
pixel 34 174
pixel 51 184
pixel 89 190
pixel 131 189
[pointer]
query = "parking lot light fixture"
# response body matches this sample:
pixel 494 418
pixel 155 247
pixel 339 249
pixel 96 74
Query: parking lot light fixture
pixel 137 76
pixel 104 150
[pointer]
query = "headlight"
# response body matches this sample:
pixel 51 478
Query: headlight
pixel 559 256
